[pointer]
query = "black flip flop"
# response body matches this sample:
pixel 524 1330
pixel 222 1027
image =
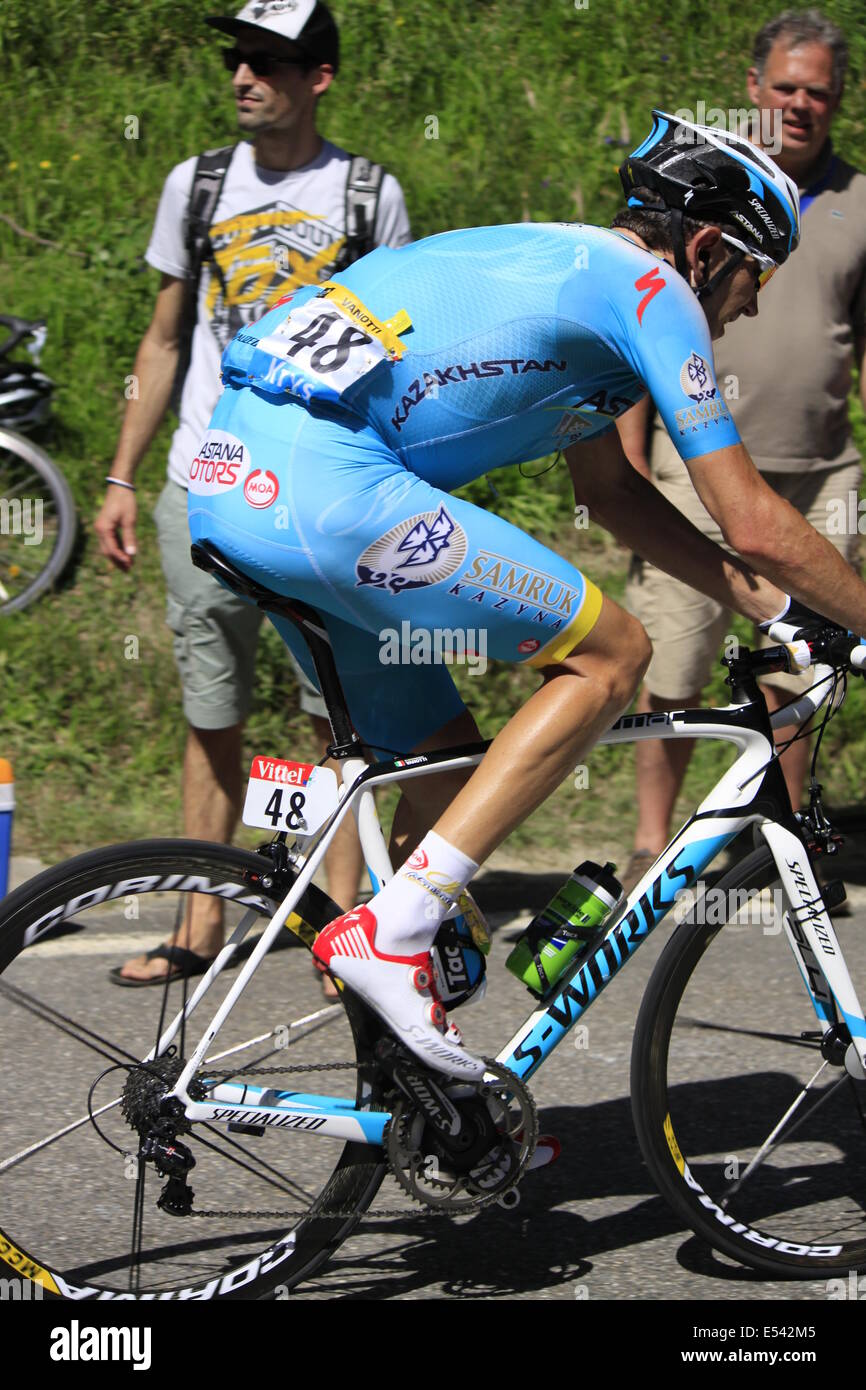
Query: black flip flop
pixel 188 964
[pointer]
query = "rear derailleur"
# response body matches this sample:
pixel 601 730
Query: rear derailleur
pixel 453 1145
pixel 158 1120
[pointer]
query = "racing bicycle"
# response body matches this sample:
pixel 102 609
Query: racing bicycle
pixel 37 514
pixel 161 1149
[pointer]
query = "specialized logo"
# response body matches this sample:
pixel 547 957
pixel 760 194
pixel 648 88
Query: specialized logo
pixel 261 488
pixel 526 648
pixel 419 551
pixel 696 378
pixel 417 860
pixel 764 216
pixel 652 282
pixel 221 462
pixel 431 383
pixel 504 584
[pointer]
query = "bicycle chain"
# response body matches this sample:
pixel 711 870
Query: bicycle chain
pixel 294 1068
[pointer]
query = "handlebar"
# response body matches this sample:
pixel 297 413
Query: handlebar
pixel 826 649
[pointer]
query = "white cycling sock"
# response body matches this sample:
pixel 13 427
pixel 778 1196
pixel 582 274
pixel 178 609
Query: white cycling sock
pixel 411 906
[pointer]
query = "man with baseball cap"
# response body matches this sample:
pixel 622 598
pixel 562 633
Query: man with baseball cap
pixel 236 229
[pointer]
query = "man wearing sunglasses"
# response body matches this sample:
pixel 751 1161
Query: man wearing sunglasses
pixel 279 221
pixel 786 380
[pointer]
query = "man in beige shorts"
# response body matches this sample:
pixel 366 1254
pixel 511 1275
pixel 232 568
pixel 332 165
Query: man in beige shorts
pixel 786 379
pixel 287 208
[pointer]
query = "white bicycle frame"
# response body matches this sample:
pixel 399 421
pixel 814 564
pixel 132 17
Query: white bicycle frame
pixel 730 806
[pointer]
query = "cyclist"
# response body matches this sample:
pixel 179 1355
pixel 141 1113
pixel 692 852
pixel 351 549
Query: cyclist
pixel 357 412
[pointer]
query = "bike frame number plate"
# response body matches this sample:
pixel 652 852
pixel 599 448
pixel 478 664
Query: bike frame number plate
pixel 295 797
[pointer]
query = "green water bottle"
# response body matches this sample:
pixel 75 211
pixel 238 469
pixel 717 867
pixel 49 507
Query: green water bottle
pixel 567 924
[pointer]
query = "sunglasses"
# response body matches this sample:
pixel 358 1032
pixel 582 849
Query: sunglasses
pixel 766 267
pixel 261 63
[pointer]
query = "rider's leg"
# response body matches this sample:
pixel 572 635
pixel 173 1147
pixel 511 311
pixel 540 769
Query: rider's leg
pixel 424 799
pixel 377 949
pixel 581 696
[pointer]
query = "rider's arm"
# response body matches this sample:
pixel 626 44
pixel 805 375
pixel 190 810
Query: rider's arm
pixel 782 554
pixel 633 429
pixel 775 538
pixel 154 371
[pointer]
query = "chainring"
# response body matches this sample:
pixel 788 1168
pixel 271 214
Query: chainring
pixel 421 1166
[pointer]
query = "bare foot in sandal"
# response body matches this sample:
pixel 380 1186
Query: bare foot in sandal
pixel 188 951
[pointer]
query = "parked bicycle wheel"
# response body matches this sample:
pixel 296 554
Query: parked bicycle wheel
pixel 272 1205
pixel 755 1137
pixel 38 528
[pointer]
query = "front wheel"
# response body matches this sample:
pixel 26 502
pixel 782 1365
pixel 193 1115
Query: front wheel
pixel 78 1208
pixel 753 1137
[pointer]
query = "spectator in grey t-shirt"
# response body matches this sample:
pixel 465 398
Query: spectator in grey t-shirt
pixel 279 222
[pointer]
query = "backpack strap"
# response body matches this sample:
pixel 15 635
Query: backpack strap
pixel 210 174
pixel 363 190
pixel 207 183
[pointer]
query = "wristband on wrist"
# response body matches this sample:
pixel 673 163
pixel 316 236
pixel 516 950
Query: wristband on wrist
pixel 768 622
pixel 119 482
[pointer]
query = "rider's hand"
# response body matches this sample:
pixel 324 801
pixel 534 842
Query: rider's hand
pixel 115 526
pixel 793 618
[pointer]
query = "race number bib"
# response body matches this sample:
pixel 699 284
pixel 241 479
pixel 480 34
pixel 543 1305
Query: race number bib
pixel 324 347
pixel 294 797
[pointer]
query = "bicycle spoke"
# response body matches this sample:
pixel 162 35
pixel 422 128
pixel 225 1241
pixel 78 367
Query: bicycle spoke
pixel 66 1025
pixel 774 1137
pixel 15 1159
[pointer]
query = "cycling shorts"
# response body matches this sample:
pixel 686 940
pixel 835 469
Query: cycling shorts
pixel 310 501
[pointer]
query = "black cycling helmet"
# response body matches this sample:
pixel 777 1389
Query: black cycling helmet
pixel 708 174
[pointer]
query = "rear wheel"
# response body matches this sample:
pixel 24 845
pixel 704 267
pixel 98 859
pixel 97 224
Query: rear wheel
pixel 754 1136
pixel 73 1191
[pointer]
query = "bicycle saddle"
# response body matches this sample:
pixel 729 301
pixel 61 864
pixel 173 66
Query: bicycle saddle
pixel 208 557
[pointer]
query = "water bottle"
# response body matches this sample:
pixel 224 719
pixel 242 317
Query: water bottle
pixel 567 924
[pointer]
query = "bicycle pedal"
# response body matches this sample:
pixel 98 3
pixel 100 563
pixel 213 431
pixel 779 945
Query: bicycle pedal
pixel 237 1127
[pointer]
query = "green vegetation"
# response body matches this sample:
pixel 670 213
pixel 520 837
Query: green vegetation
pixel 534 103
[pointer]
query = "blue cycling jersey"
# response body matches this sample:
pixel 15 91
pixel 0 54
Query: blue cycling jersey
pixel 352 412
pixel 523 339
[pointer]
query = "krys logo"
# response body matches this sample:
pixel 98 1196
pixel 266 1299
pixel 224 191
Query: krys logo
pixel 261 488
pixel 696 378
pixel 221 462
pixel 419 551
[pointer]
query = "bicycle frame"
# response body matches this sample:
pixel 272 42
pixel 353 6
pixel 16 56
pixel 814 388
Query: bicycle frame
pixel 750 792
